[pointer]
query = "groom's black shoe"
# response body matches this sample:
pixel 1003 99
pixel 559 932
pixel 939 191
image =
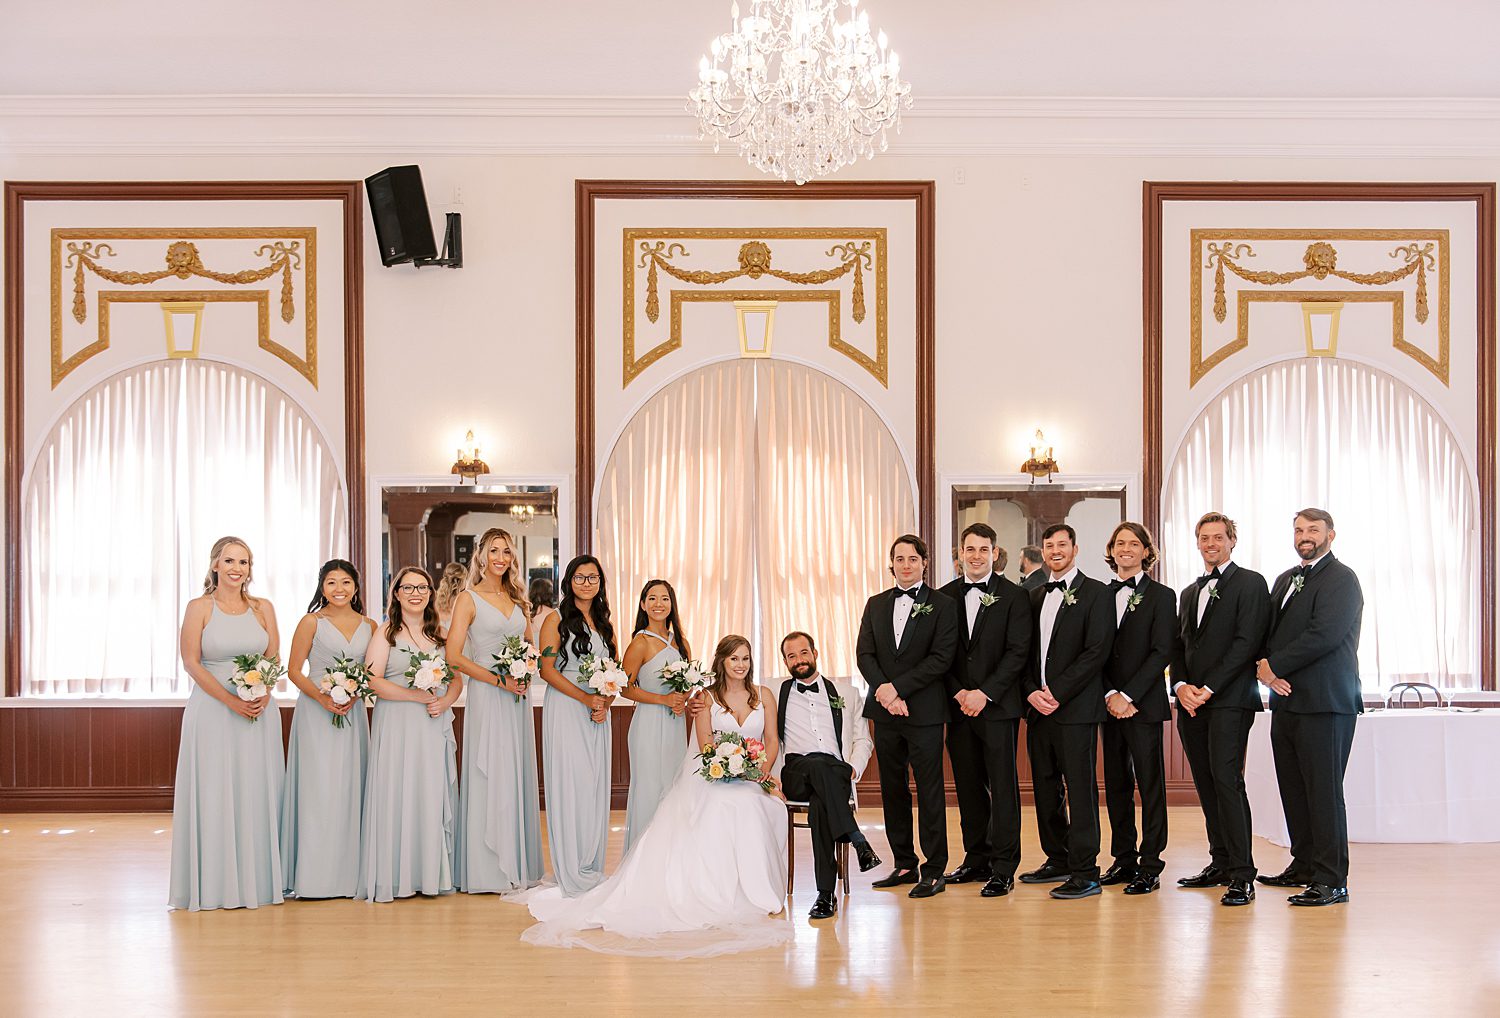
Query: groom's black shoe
pixel 825 907
pixel 967 875
pixel 868 860
pixel 1077 887
pixel 896 879
pixel 1046 873
pixel 997 887
pixel 1288 877
pixel 926 888
pixel 1209 876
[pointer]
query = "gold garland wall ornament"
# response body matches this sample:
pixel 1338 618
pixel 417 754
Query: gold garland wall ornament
pixel 1319 261
pixel 755 262
pixel 184 262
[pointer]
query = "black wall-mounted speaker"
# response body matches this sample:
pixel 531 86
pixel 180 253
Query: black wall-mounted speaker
pixel 398 205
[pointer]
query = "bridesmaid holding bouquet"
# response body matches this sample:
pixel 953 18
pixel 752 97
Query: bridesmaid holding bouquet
pixel 325 765
pixel 658 734
pixel 227 804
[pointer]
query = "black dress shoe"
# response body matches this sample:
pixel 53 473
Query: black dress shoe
pixel 1209 876
pixel 824 908
pixel 1288 877
pixel 1046 873
pixel 1320 894
pixel 926 888
pixel 997 887
pixel 868 860
pixel 1076 887
pixel 1241 892
pixel 897 878
pixel 1144 883
pixel 1119 873
pixel 967 875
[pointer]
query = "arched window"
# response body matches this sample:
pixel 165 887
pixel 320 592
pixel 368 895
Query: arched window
pixel 127 494
pixel 1362 444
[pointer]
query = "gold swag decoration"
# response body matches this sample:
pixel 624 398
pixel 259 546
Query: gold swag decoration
pixel 1319 261
pixel 755 261
pixel 184 262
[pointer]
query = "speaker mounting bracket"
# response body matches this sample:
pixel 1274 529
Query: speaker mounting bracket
pixel 453 245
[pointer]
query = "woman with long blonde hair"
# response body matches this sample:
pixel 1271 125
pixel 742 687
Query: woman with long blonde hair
pixel 499 822
pixel 455 579
pixel 226 810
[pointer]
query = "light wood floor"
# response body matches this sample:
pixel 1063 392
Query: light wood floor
pixel 84 931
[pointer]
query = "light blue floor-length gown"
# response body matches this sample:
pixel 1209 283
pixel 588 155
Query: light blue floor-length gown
pixel 658 745
pixel 499 844
pixel 411 797
pixel 325 780
pixel 575 764
pixel 226 810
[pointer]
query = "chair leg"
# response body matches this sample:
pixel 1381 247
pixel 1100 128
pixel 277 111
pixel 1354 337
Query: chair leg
pixel 843 862
pixel 791 858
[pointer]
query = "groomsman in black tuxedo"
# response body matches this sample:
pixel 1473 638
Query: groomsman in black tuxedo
pixel 1312 669
pixel 1136 696
pixel 984 713
pixel 907 640
pixel 1073 628
pixel 1032 573
pixel 1224 614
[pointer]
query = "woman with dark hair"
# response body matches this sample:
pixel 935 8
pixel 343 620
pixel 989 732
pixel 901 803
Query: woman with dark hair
pixel 658 736
pixel 575 728
pixel 708 876
pixel 325 765
pixel 543 597
pixel 411 794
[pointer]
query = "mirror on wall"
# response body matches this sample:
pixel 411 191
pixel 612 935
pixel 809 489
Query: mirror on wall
pixel 1020 512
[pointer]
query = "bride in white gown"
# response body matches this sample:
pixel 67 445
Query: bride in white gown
pixel 708 875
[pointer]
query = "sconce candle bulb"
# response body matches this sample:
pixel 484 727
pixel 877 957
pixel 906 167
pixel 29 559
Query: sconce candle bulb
pixel 469 463
pixel 1041 463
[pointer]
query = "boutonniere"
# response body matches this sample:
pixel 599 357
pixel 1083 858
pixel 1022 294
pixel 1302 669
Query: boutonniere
pixel 1134 601
pixel 1069 598
pixel 1213 592
pixel 921 609
pixel 986 599
pixel 1297 583
pixel 836 702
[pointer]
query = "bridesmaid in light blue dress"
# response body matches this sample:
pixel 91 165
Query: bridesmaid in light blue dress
pixel 325 765
pixel 411 789
pixel 227 805
pixel 658 733
pixel 499 821
pixel 575 729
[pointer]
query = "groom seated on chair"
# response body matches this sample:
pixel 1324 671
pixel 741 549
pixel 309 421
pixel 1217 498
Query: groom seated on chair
pixel 825 744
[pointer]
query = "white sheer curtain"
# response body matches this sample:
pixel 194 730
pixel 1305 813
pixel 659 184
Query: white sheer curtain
pixel 768 494
pixel 124 501
pixel 1353 440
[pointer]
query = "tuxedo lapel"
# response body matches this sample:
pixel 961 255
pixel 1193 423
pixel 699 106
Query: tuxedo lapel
pixel 1139 591
pixel 1213 601
pixel 991 589
pixel 912 620
pixel 781 702
pixel 832 693
pixel 884 626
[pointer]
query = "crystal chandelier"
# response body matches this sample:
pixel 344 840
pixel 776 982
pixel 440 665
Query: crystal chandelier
pixel 801 93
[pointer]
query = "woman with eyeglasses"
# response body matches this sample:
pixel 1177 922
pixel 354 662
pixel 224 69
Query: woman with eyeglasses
pixel 499 822
pixel 575 729
pixel 411 790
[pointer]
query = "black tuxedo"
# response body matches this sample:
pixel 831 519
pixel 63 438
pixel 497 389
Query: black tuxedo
pixel 1144 642
pixel 916 668
pixel 1314 646
pixel 992 659
pixel 1220 653
pixel 1034 579
pixel 1063 746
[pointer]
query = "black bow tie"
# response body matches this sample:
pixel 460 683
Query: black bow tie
pixel 810 688
pixel 1057 585
pixel 1202 581
pixel 912 593
pixel 1117 584
pixel 1304 570
pixel 982 585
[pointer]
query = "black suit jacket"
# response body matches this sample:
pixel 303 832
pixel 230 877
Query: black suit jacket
pixel 918 667
pixel 1034 579
pixel 1314 641
pixel 995 657
pixel 1221 653
pixel 1144 643
pixel 1076 653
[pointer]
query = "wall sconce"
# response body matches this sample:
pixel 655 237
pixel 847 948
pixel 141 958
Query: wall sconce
pixel 174 313
pixel 757 322
pixel 523 514
pixel 1041 463
pixel 1320 327
pixel 469 463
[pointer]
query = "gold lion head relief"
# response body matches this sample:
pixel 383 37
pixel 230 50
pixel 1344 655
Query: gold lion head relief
pixel 182 258
pixel 1320 259
pixel 755 258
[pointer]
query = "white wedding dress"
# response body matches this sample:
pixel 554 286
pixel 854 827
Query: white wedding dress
pixel 706 877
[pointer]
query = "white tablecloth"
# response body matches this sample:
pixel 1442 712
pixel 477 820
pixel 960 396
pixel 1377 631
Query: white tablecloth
pixel 1428 775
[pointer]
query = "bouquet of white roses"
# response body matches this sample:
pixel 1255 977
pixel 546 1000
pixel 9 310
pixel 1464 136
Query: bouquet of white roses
pixel 603 675
pixel 255 676
pixel 518 660
pixel 685 676
pixel 428 671
pixel 347 680
pixel 732 757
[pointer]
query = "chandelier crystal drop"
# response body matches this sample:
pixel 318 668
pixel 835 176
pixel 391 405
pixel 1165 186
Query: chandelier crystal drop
pixel 801 93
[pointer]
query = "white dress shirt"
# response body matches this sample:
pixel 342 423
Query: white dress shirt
pixel 809 721
pixel 901 611
pixel 1122 603
pixel 1051 605
pixel 971 599
pixel 1291 588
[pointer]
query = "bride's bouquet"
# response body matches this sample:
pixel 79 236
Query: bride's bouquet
pixel 732 757
pixel 603 675
pixel 688 677
pixel 519 660
pixel 428 671
pixel 255 675
pixel 347 680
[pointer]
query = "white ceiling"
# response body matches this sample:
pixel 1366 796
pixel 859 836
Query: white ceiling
pixel 1317 49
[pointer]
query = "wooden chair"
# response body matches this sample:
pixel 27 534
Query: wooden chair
pixel 794 810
